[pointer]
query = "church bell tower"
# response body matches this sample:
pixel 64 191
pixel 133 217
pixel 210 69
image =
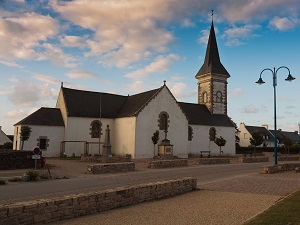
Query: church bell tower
pixel 212 78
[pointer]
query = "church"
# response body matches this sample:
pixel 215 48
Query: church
pixel 81 119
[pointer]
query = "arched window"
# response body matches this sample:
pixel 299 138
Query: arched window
pixel 190 133
pixel 212 134
pixel 219 96
pixel 204 96
pixel 163 121
pixel 96 128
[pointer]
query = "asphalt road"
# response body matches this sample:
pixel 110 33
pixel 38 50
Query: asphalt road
pixel 25 191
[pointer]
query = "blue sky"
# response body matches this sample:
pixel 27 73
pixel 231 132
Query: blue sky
pixel 130 46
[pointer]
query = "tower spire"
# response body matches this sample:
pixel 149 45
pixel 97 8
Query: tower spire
pixel 212 15
pixel 212 63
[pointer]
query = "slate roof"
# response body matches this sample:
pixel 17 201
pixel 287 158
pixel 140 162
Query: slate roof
pixel 44 116
pixel 136 103
pixel 87 104
pixel 262 130
pixel 292 135
pixel 212 63
pixel 198 114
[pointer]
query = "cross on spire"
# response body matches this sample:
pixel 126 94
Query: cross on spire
pixel 212 15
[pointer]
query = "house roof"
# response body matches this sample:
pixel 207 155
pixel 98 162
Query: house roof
pixel 292 135
pixel 44 116
pixel 198 114
pixel 212 63
pixel 262 130
pixel 87 103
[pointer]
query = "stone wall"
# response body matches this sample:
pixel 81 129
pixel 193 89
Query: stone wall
pixel 288 158
pixel 156 164
pixel 280 167
pixel 214 160
pixel 12 159
pixel 111 167
pixel 106 159
pixel 253 159
pixel 71 206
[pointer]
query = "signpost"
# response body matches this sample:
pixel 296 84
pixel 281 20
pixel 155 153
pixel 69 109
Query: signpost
pixel 36 156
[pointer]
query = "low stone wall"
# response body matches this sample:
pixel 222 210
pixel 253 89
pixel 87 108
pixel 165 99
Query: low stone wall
pixel 13 159
pixel 253 159
pixel 214 161
pixel 111 167
pixel 71 206
pixel 106 159
pixel 168 163
pixel 288 158
pixel 280 167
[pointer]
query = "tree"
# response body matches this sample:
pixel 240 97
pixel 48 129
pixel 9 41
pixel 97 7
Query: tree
pixel 256 140
pixel 155 139
pixel 7 145
pixel 287 143
pixel 220 142
pixel 25 134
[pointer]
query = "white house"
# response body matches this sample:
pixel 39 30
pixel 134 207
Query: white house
pixel 78 122
pixel 245 133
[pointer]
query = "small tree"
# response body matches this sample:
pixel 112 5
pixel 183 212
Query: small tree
pixel 287 143
pixel 256 140
pixel 25 134
pixel 220 142
pixel 155 139
pixel 7 145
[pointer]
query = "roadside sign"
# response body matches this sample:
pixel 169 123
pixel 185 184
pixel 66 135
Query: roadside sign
pixel 36 157
pixel 36 151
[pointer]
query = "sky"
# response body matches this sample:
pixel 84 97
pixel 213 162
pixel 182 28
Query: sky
pixel 130 46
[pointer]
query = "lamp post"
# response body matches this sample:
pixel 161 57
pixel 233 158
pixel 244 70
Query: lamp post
pixel 260 81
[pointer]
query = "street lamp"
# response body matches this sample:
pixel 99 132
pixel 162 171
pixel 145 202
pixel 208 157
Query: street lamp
pixel 260 81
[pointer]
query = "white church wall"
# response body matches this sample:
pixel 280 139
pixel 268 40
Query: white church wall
pixel 124 134
pixel 62 106
pixel 201 142
pixel 147 124
pixel 78 129
pixel 55 135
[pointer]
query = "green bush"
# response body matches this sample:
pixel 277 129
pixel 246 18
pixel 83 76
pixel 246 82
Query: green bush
pixel 44 176
pixel 2 182
pixel 33 175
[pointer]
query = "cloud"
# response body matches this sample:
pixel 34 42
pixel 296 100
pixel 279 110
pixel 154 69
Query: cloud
pixel 29 94
pixel 137 86
pixel 186 22
pixel 81 74
pixel 179 90
pixel 159 65
pixel 46 79
pixel 235 92
pixel 234 35
pixel 22 33
pixel 73 41
pixel 57 56
pixel 11 64
pixel 123 31
pixel 283 23
pixel 250 109
pixel 203 39
pixel 16 114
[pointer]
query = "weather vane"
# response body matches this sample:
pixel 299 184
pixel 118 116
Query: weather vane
pixel 212 15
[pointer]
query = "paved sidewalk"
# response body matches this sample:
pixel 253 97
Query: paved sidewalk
pixel 230 202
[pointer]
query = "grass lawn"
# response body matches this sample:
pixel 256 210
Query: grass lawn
pixel 285 212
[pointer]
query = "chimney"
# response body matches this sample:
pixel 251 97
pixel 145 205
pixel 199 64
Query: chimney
pixel 0 127
pixel 265 126
pixel 296 132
